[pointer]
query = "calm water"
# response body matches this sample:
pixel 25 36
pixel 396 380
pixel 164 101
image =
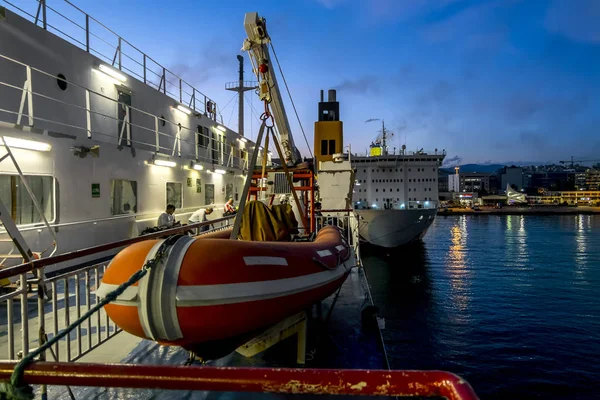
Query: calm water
pixel 510 303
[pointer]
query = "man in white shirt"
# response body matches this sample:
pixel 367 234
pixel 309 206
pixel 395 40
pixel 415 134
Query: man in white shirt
pixel 166 219
pixel 200 216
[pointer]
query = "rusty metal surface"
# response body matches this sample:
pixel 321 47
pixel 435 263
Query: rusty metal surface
pixel 239 379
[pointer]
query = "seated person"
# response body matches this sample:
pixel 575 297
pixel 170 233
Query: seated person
pixel 229 208
pixel 200 216
pixel 166 219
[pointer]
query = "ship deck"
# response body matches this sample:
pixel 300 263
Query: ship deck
pixel 337 342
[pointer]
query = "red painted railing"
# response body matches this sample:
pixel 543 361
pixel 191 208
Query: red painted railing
pixel 265 380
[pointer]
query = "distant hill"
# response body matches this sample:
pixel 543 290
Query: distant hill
pixel 470 168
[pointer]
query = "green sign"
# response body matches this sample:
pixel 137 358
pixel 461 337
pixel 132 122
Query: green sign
pixel 95 190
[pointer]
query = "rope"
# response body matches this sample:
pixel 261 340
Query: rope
pixel 291 100
pixel 15 389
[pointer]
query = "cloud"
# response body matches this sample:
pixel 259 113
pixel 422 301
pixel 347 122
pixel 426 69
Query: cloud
pixel 396 10
pixel 451 161
pixel 213 60
pixel 477 27
pixel 331 3
pixel 576 20
pixel 362 85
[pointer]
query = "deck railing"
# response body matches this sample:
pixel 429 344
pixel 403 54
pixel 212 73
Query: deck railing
pixel 74 25
pixel 39 317
pixel 85 115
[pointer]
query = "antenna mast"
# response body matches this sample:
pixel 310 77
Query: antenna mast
pixel 240 87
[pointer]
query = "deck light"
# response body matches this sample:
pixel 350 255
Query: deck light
pixel 221 128
pixel 112 73
pixel 220 171
pixel 25 144
pixel 183 109
pixel 198 167
pixel 165 163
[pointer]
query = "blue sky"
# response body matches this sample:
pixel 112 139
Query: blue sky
pixel 489 81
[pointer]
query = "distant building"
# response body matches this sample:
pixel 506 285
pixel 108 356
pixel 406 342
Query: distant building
pixel 475 182
pixel 587 180
pixel 469 182
pixel 454 183
pixel 512 176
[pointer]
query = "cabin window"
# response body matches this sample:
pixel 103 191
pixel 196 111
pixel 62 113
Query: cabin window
pixel 384 190
pixel 123 196
pixel 331 147
pixel 323 147
pixel 124 122
pixel 209 194
pixel 390 170
pixel 397 190
pixel 61 81
pixel 203 139
pixel 15 197
pixel 377 190
pixel 175 194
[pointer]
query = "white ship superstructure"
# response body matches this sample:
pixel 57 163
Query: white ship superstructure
pixel 102 135
pixel 396 195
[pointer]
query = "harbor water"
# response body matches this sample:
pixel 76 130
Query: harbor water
pixel 510 303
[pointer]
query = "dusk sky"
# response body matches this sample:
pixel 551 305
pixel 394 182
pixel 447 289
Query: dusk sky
pixel 489 81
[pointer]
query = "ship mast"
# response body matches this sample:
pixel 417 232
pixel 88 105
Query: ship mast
pixel 240 87
pixel 384 137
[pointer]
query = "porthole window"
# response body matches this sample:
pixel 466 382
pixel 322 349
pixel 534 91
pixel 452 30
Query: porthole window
pixel 61 81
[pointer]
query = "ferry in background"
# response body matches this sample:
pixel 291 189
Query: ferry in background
pixel 396 195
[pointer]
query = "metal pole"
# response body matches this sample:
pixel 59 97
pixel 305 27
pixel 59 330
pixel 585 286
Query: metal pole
pixel 87 33
pixel 241 97
pixel 236 226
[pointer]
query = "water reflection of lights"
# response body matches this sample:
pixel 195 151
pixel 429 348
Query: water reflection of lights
pixel 584 224
pixel 459 272
pixel 517 254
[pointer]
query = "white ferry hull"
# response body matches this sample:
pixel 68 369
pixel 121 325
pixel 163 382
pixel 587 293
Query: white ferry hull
pixel 394 228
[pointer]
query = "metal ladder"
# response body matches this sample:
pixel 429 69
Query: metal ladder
pixel 14 235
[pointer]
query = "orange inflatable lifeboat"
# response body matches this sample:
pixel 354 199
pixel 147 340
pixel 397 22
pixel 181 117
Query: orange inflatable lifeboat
pixel 209 293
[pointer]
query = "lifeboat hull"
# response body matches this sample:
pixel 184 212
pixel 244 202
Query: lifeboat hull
pixel 209 290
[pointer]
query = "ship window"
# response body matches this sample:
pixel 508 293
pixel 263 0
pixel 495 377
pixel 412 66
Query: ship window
pixel 390 170
pixel 202 136
pixel 376 199
pixel 61 81
pixel 174 194
pixel 331 146
pixel 384 190
pixel 409 170
pixel 401 180
pixel 209 193
pixel 324 147
pixel 391 189
pixel 396 169
pixel 434 179
pixel 397 190
pixel 410 180
pixel 409 189
pixel 123 196
pixel 377 190
pixel 400 169
pixel 16 199
pixel 419 180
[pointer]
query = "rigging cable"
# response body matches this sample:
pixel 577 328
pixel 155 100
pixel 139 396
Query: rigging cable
pixel 292 100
